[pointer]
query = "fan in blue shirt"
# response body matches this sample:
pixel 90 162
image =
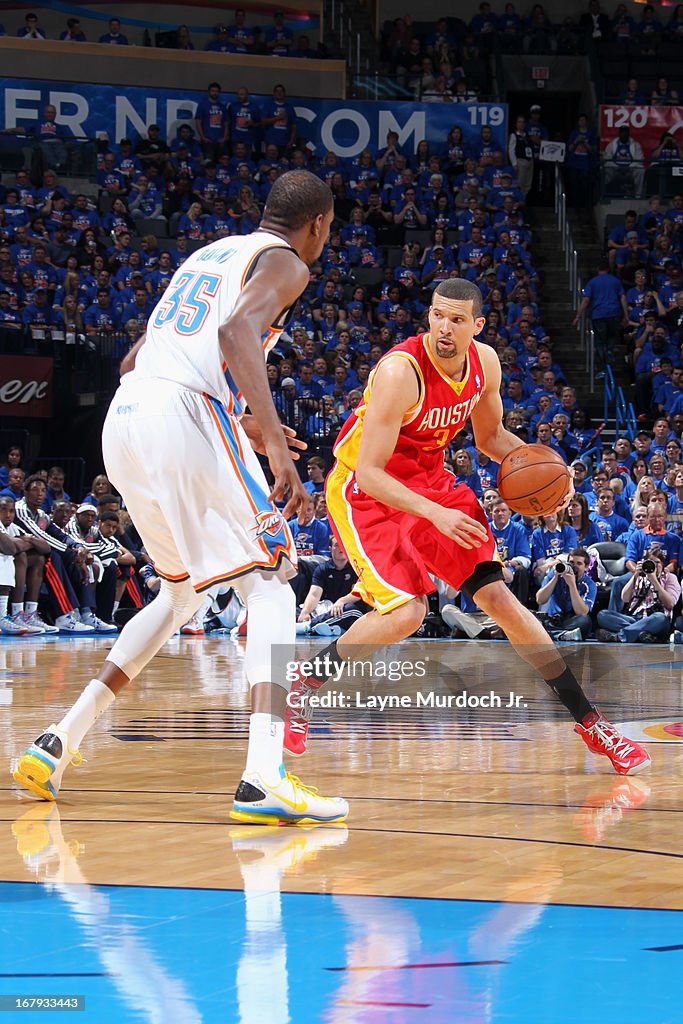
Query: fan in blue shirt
pixel 310 535
pixel 548 542
pixel 610 524
pixel 241 35
pixel 465 472
pixel 570 596
pixel 278 38
pixel 211 117
pixel 653 533
pixel 114 36
pixel 514 550
pixel 38 313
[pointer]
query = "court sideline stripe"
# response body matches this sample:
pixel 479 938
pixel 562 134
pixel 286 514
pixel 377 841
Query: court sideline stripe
pixel 388 831
pixel 355 799
pixel 371 896
pixel 416 967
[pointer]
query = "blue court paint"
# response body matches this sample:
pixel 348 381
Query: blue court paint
pixel 184 956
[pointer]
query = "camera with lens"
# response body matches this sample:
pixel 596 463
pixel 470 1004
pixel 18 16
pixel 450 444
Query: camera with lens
pixel 562 567
pixel 649 565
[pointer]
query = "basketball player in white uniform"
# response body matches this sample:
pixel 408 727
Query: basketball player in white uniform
pixel 12 543
pixel 180 452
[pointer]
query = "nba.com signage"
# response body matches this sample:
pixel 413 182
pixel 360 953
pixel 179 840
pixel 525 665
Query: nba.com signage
pixel 345 127
pixel 26 386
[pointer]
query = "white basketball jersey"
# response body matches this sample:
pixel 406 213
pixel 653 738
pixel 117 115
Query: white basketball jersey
pixel 182 332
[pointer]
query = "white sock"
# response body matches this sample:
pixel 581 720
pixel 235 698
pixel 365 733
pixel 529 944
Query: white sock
pixel 116 607
pixel 31 607
pixel 94 700
pixel 17 609
pixel 264 755
pixel 3 605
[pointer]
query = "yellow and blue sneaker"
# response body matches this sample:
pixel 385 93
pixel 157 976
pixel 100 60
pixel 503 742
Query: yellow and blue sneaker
pixel 43 848
pixel 284 849
pixel 41 767
pixel 41 844
pixel 287 802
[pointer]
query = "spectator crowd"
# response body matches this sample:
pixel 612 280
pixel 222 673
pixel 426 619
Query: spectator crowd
pixel 607 568
pixel 275 38
pixel 79 267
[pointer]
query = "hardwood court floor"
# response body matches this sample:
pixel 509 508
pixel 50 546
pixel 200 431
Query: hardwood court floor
pixel 491 869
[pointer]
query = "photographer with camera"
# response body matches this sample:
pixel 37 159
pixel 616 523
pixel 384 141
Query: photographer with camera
pixel 650 596
pixel 653 533
pixel 570 593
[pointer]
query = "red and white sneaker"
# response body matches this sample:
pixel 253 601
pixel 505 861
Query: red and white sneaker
pixel 193 627
pixel 601 737
pixel 603 810
pixel 299 713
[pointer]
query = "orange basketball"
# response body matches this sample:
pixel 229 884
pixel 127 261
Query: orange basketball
pixel 533 480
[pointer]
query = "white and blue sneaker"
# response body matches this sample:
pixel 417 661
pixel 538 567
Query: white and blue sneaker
pixel 8 627
pixel 35 624
pixel 288 802
pixel 71 624
pixel 88 618
pixel 326 628
pixel 41 767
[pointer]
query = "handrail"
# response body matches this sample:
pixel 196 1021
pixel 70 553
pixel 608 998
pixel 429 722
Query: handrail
pixel 571 258
pixel 610 393
pixel 632 428
pixel 625 419
pixel 621 413
pixel 595 449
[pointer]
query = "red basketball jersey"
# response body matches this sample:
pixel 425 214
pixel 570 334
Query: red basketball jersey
pixel 441 411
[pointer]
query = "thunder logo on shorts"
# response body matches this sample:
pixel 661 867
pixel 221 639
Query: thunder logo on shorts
pixel 269 523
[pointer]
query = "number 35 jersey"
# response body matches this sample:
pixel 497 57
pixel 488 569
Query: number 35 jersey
pixel 441 411
pixel 182 332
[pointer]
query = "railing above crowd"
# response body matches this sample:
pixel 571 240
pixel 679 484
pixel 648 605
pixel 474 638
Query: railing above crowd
pixel 616 409
pixel 571 265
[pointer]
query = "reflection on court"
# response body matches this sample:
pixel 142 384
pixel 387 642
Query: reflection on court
pixel 491 871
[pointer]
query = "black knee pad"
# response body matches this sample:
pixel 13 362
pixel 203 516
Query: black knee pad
pixel 485 573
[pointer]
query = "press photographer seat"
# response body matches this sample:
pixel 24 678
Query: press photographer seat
pixel 612 557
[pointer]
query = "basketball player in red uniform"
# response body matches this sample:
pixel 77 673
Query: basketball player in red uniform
pixel 395 511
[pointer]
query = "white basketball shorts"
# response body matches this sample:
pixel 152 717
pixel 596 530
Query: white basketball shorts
pixel 7 577
pixel 193 485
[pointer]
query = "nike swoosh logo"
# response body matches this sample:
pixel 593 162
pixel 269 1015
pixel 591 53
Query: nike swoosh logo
pixel 298 806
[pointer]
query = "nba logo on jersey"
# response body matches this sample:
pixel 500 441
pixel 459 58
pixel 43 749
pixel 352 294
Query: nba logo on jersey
pixel 270 523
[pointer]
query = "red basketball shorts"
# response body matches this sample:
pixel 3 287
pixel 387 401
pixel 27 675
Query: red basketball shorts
pixel 394 552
